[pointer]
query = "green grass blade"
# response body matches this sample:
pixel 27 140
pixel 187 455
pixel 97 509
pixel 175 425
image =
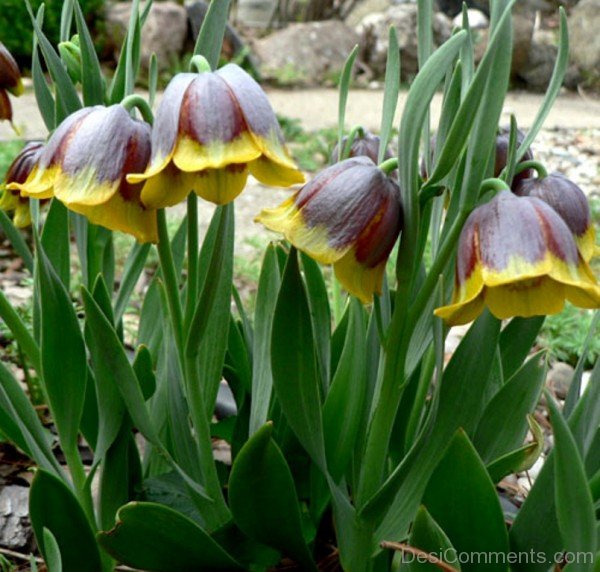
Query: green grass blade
pixel 390 92
pixel 210 38
pixel 344 87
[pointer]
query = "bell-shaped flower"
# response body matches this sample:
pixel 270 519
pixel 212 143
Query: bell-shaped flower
pixel 518 257
pixel 18 171
pixel 10 80
pixel 569 201
pixel 85 163
pixel 364 144
pixel 212 129
pixel 349 215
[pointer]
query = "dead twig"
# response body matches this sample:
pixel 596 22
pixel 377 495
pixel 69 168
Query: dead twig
pixel 405 548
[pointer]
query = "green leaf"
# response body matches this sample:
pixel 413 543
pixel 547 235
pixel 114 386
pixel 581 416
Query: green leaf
pixel 462 499
pixel 208 333
pixel 465 381
pixel 66 93
pixel 43 95
pixel 111 363
pixel 525 534
pixel 53 558
pixel 55 240
pixel 521 459
pixel 294 363
pixel 574 503
pixel 262 377
pixel 503 425
pixel 467 56
pixel 53 506
pixel 134 266
pixel 553 89
pixel 263 498
pixel 20 422
pixel 516 341
pixel 342 412
pixel 131 47
pixel 390 92
pixel 318 301
pixel 17 241
pixel 210 38
pixel 343 89
pixel 91 76
pixel 426 535
pixel 144 371
pixel 154 537
pixel 111 407
pixel 64 363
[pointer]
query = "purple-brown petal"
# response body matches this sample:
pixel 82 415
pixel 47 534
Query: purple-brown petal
pixel 365 146
pixel 564 196
pixel 502 142
pixel 253 101
pixel 24 162
pixel 5 106
pixel 210 112
pixel 166 122
pixel 10 77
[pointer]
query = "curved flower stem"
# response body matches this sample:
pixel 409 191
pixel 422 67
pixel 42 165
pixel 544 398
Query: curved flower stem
pixel 536 165
pixel 200 64
pixel 140 104
pixel 389 166
pixel 167 266
pixel 192 280
pixel 493 185
pixel 357 131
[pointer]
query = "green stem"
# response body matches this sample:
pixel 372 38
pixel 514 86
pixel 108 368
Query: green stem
pixel 21 333
pixel 220 513
pixel 493 185
pixel 192 280
pixel 444 255
pixel 141 104
pixel 200 64
pixel 357 131
pixel 389 166
pixel 78 477
pixel 169 274
pixel 537 166
pixel 379 319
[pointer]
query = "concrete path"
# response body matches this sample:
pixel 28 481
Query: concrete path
pixel 317 108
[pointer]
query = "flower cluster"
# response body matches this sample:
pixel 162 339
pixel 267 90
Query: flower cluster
pixel 211 131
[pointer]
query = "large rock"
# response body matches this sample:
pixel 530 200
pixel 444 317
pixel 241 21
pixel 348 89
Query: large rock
pixel 584 26
pixel 364 9
pixel 374 34
pixel 305 54
pixel 15 528
pixel 164 32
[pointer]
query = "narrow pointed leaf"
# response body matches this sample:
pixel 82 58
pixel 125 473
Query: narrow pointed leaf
pixel 92 80
pixel 574 503
pixel 210 38
pixel 263 498
pixel 294 362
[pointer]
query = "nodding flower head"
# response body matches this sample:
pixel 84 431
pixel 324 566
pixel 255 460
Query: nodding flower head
pixel 10 80
pixel 502 142
pixel 569 201
pixel 518 257
pixel 211 130
pixel 17 172
pixel 364 144
pixel 349 215
pixel 85 164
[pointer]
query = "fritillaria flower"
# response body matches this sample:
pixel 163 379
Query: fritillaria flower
pixel 211 130
pixel 364 144
pixel 17 172
pixel 569 201
pixel 10 80
pixel 502 142
pixel 349 215
pixel 85 163
pixel 518 257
